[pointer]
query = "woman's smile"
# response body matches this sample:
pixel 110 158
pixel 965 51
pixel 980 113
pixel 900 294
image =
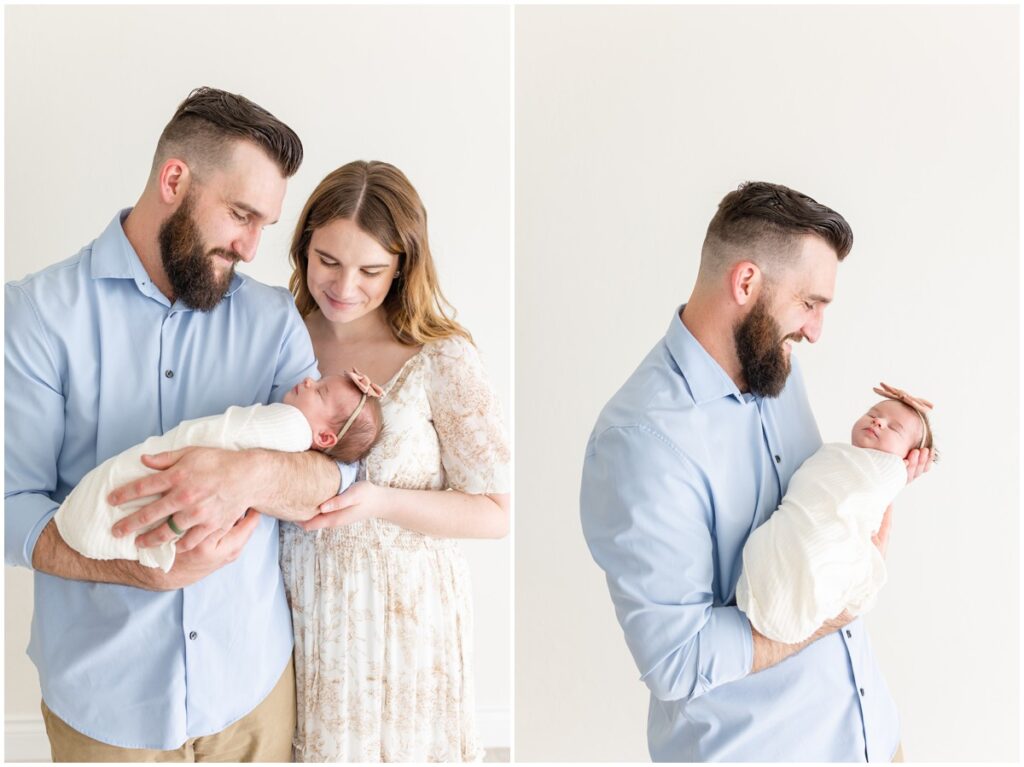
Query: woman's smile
pixel 339 303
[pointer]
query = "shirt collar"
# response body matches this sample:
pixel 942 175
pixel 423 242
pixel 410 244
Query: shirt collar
pixel 114 257
pixel 705 377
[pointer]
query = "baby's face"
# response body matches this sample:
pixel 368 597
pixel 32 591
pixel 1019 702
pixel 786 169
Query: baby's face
pixel 889 426
pixel 325 403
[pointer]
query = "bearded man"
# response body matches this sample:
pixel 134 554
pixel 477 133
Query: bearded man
pixel 692 454
pixel 147 326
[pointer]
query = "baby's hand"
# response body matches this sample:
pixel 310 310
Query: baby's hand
pixel 918 462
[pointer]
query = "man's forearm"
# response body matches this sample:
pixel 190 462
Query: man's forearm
pixel 293 485
pixel 53 556
pixel 768 652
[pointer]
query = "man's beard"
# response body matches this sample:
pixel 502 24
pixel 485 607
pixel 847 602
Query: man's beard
pixel 188 267
pixel 764 363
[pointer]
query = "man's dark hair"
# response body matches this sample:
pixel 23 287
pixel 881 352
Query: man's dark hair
pixel 207 123
pixel 759 221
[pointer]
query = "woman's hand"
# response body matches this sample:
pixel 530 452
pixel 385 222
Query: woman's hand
pixel 918 462
pixel 438 513
pixel 363 500
pixel 881 538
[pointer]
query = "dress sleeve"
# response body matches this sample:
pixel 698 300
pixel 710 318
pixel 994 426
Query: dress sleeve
pixel 467 417
pixel 648 522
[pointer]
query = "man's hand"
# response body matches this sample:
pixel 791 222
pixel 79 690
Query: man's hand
pixel 768 652
pixel 206 490
pixel 215 551
pixel 918 462
pixel 52 555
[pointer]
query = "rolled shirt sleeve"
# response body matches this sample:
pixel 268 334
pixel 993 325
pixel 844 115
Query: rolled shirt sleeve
pixel 33 427
pixel 648 520
pixel 348 472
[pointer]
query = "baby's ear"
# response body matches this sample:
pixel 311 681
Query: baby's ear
pixel 325 440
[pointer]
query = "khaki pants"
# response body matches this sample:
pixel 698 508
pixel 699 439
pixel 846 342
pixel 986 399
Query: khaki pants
pixel 262 735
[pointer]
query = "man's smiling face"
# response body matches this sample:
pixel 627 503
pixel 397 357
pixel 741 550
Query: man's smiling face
pixel 218 224
pixel 789 308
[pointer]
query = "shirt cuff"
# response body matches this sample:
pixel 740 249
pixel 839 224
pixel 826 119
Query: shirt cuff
pixel 348 473
pixel 727 648
pixel 25 516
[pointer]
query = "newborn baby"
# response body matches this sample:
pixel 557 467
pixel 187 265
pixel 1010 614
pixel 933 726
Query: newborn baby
pixel 339 415
pixel 814 557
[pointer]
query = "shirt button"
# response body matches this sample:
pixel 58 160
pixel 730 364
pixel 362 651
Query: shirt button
pixel 169 373
pixel 848 633
pixel 862 692
pixel 778 459
pixel 194 635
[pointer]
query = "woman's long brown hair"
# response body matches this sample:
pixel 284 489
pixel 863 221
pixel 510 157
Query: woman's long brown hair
pixel 382 202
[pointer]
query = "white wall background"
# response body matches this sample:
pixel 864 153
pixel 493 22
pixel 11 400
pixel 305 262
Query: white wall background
pixel 88 90
pixel 631 124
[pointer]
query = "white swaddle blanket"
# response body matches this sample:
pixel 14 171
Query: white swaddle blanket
pixel 814 557
pixel 85 518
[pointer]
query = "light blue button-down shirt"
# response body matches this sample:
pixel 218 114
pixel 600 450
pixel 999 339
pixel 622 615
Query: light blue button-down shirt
pixel 97 360
pixel 680 469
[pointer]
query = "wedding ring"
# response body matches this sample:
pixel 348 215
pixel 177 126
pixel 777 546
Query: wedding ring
pixel 177 531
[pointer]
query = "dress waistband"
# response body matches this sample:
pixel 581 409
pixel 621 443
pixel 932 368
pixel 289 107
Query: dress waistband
pixel 377 534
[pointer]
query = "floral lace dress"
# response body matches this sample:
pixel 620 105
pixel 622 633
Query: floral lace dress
pixel 382 615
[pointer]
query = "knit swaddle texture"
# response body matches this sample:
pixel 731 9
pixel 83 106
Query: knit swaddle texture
pixel 814 557
pixel 85 519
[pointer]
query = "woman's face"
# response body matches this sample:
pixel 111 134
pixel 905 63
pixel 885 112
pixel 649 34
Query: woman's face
pixel 349 272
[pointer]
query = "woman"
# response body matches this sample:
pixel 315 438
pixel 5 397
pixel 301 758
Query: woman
pixel 379 591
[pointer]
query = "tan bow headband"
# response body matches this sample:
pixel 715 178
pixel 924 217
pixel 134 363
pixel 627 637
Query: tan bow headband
pixel 368 388
pixel 917 404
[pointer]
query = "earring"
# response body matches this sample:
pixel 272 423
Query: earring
pixel 397 274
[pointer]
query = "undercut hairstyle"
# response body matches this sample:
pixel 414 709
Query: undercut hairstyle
pixel 379 199
pixel 761 222
pixel 209 122
pixel 361 436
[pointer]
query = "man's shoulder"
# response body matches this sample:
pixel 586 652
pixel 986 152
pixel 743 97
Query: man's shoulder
pixel 267 315
pixel 50 299
pixel 60 276
pixel 255 293
pixel 654 402
pixel 262 307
